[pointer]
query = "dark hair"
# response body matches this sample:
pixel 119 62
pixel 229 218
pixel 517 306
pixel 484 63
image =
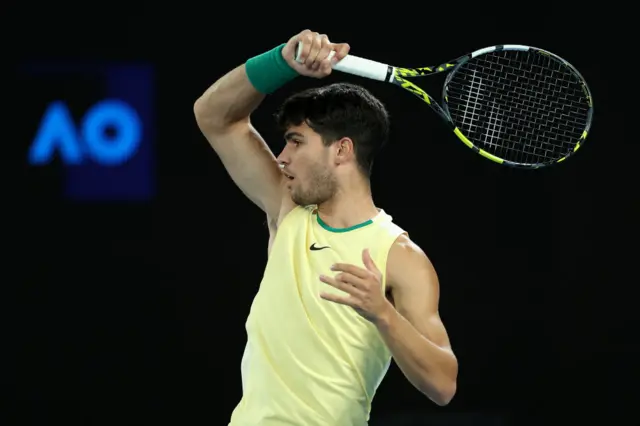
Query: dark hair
pixel 340 110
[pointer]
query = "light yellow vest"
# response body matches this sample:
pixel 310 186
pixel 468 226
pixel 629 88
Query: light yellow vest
pixel 308 361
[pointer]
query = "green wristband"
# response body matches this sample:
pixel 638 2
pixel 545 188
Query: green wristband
pixel 269 71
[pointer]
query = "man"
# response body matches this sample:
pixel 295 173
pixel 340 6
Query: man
pixel 344 289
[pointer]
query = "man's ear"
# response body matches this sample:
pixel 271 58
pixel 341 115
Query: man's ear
pixel 345 150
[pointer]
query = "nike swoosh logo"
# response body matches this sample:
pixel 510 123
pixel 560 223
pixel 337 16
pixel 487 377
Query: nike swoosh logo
pixel 315 248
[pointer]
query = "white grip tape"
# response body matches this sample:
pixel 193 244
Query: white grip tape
pixel 355 65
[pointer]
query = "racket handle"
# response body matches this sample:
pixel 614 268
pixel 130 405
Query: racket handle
pixel 361 67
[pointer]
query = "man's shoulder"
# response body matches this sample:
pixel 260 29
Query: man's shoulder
pixel 405 249
pixel 406 256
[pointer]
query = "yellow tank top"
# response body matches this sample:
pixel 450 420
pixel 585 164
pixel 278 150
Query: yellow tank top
pixel 308 361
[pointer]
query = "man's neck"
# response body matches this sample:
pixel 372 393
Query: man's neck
pixel 348 208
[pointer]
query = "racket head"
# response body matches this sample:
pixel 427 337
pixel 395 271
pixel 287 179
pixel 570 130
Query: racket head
pixel 519 106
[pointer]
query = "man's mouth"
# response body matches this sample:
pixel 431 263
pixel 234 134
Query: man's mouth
pixel 287 175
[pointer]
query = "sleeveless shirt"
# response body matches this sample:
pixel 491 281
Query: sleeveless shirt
pixel 309 361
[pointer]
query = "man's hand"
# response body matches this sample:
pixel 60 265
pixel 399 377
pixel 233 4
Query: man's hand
pixel 314 58
pixel 363 286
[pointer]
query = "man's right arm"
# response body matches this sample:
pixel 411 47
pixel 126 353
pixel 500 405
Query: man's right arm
pixel 222 114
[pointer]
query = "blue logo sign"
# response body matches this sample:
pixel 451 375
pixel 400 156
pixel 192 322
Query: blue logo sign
pixel 58 133
pixel 108 153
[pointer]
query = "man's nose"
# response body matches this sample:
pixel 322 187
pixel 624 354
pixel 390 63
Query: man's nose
pixel 284 157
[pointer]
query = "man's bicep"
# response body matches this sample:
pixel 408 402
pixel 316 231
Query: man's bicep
pixel 250 164
pixel 416 290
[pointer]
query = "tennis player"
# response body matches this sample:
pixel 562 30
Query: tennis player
pixel 344 289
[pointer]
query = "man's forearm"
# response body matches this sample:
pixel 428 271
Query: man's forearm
pixel 229 100
pixel 237 94
pixel 430 368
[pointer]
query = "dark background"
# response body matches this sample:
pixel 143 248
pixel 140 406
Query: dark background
pixel 132 313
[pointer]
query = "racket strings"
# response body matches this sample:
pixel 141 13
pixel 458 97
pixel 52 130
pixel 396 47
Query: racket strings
pixel 521 106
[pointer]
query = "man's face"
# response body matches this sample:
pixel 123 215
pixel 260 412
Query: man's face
pixel 309 165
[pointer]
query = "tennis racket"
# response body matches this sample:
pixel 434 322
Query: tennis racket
pixel 516 105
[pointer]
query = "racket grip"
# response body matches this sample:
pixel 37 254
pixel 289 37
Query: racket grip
pixel 355 65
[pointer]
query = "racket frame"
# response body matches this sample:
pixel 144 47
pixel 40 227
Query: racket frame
pixel 379 71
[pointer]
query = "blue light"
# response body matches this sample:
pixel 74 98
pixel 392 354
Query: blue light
pixel 57 132
pixel 127 127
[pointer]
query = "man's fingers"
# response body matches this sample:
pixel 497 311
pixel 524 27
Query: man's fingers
pixel 337 299
pixel 312 54
pixel 305 42
pixel 325 50
pixel 352 280
pixel 368 262
pixel 326 66
pixel 342 50
pixel 316 46
pixel 341 284
pixel 351 269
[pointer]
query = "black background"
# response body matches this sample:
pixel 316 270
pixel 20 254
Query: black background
pixel 133 313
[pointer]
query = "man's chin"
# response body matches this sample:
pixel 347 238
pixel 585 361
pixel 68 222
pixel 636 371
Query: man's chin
pixel 297 199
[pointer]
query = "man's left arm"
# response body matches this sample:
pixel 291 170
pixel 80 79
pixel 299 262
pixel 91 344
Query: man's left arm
pixel 413 331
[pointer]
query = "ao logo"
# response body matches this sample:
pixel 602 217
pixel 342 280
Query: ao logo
pixel 89 139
